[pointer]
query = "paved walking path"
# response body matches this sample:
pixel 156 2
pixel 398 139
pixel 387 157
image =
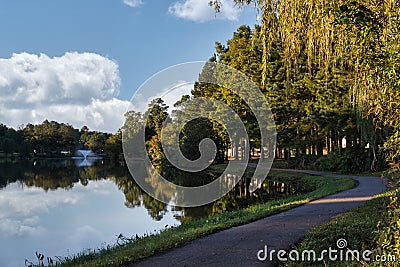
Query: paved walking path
pixel 238 246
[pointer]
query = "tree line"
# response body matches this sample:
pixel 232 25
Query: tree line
pixel 54 139
pixel 316 122
pixel 357 40
pixel 319 72
pixel 353 39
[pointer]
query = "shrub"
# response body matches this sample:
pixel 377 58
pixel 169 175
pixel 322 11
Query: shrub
pixel 347 160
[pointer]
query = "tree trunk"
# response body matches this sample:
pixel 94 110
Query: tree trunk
pixel 328 144
pixel 287 153
pixel 320 149
pixel 236 151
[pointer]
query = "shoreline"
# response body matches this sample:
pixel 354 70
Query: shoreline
pixel 188 231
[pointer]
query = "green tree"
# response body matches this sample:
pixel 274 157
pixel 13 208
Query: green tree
pixel 94 141
pixel 156 116
pixel 113 146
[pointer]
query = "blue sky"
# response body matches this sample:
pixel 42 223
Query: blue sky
pixel 80 61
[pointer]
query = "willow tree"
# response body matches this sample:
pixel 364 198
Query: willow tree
pixel 306 29
pixel 360 38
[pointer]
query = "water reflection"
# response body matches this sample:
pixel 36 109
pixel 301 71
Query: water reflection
pixel 84 162
pixel 63 174
pixel 57 208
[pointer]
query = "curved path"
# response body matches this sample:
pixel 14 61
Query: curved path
pixel 238 246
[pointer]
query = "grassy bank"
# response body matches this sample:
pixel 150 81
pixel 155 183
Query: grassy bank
pixel 189 230
pixel 357 226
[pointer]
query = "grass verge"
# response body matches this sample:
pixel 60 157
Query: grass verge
pixel 121 255
pixel 357 226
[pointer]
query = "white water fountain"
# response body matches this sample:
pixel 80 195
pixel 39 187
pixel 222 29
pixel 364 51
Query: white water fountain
pixel 84 153
pixel 81 157
pixel 85 157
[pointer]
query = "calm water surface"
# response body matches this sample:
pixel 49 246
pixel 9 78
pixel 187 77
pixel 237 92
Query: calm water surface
pixel 62 207
pixel 59 209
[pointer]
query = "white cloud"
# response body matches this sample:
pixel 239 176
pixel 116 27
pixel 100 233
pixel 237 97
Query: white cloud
pixel 35 201
pixel 15 228
pixel 77 88
pixel 133 3
pixel 22 218
pixel 200 11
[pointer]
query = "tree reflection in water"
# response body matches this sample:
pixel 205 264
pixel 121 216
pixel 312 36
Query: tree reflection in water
pixel 57 174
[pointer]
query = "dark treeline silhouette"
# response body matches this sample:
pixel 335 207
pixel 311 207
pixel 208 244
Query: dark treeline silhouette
pixel 54 139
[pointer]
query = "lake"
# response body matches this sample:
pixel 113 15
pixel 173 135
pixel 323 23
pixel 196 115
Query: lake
pixel 63 207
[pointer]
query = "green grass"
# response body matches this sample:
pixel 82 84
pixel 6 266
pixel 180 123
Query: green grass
pixel 358 226
pixel 189 230
pixel 280 163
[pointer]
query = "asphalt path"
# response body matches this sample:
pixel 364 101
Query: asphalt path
pixel 239 246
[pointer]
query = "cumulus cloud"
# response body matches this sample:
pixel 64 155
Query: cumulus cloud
pixel 77 88
pixel 133 3
pixel 200 11
pixel 22 218
pixel 35 201
pixel 20 228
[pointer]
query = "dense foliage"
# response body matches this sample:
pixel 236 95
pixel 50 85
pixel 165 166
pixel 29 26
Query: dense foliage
pixel 54 139
pixel 330 72
pixel 312 110
pixel 357 39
